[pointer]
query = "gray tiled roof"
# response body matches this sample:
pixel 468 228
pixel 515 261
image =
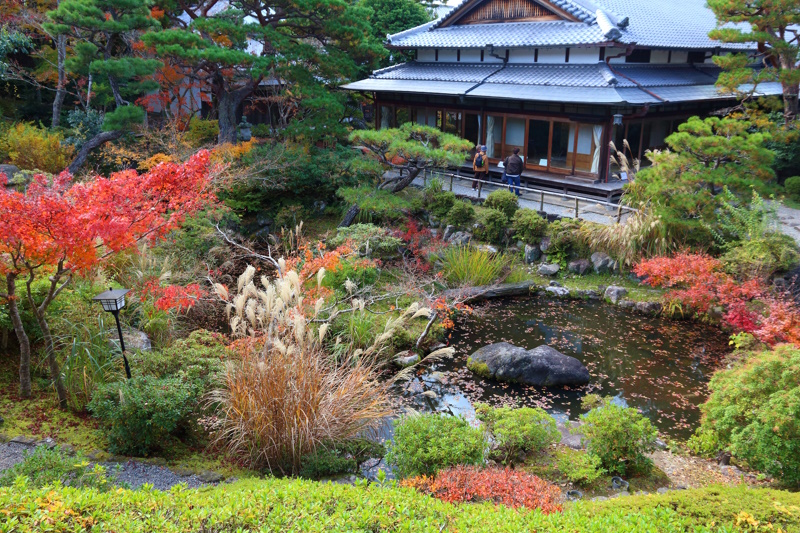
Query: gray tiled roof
pixel 651 23
pixel 598 83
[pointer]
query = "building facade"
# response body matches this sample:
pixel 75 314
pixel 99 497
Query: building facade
pixel 557 79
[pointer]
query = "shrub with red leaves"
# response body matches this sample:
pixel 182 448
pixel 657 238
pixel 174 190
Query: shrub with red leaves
pixel 513 488
pixel 697 282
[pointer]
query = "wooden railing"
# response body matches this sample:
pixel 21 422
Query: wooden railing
pixel 570 204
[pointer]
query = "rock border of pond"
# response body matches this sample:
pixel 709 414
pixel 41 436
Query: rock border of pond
pixel 611 294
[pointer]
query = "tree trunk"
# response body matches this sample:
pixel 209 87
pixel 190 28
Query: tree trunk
pixel 350 216
pixel 226 116
pixel 22 337
pixel 96 141
pixel 790 97
pixel 488 292
pixel 399 185
pixel 41 319
pixel 61 87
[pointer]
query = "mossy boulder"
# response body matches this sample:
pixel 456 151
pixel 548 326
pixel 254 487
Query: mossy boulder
pixel 543 366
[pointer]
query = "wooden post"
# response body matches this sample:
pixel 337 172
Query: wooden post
pixel 480 186
pixel 576 207
pixel 425 177
pixel 541 202
pixel 451 183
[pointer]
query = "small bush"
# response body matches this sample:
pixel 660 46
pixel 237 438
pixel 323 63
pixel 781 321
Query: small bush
pixel 761 257
pixel 529 226
pixel 513 488
pixel 44 467
pixel 142 413
pixel 33 148
pixel 441 204
pixel 201 131
pixel 753 411
pixel 371 240
pixel 261 131
pixel 357 329
pixel 362 272
pixel 461 214
pixel 566 241
pixel 620 437
pixel 792 186
pixel 324 463
pixel 492 225
pixel 464 265
pixel 425 444
pixel 517 432
pixel 504 201
pixel 579 467
pixel 289 217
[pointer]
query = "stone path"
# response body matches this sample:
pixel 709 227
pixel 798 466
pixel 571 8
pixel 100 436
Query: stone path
pixel 552 205
pixel 790 221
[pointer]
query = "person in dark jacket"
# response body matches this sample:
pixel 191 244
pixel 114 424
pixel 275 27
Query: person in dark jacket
pixel 513 165
pixel 480 165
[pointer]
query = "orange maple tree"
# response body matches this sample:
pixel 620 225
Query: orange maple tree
pixel 58 229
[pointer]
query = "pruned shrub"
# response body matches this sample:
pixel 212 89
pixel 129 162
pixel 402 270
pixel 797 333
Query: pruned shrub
pixel 461 214
pixel 504 201
pixel 566 240
pixel 761 257
pixel 368 239
pixel 202 131
pixel 141 414
pixel 440 203
pixel 325 462
pixel 620 437
pixel 361 272
pixel 513 488
pixel 517 432
pixel 464 265
pixel 529 226
pixel 33 148
pixel 753 411
pixel 579 467
pixel 425 444
pixel 380 206
pixel 792 186
pixel 492 225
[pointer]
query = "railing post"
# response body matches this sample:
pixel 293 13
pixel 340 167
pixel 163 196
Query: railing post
pixel 480 187
pixel 541 202
pixel 576 208
pixel 425 177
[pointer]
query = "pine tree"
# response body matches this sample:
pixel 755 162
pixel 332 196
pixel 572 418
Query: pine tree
pixel 772 24
pixel 104 34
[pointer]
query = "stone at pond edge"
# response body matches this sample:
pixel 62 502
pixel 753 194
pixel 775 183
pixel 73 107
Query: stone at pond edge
pixel 486 248
pixel 207 476
pixel 532 254
pixel 601 262
pixel 461 238
pixel 405 359
pixel 614 293
pixel 549 269
pixel 561 292
pixel 448 232
pixel 648 308
pixel 579 266
pixel 543 366
pixel 545 244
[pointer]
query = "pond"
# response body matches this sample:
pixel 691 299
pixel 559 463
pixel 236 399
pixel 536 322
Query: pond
pixel 657 365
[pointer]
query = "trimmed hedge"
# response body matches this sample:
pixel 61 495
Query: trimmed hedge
pixel 295 505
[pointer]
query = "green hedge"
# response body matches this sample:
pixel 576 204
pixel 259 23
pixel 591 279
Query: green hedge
pixel 294 505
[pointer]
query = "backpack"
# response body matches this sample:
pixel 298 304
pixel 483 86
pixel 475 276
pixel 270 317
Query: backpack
pixel 479 161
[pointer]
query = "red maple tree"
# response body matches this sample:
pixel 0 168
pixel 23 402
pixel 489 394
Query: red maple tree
pixel 58 229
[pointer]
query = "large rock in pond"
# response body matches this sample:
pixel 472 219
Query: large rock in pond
pixel 543 366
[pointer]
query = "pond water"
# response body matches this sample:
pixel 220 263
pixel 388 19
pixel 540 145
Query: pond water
pixel 657 365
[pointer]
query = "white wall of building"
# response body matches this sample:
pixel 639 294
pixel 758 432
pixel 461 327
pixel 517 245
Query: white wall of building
pixel 584 55
pixel 553 55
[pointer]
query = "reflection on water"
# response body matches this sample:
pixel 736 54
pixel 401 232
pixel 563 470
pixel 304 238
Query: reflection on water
pixel 657 365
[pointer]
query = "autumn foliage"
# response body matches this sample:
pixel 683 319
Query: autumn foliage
pixel 513 488
pixel 697 282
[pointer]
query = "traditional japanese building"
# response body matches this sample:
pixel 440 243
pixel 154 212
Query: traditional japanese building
pixel 557 79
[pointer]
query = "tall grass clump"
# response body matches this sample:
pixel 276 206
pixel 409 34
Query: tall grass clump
pixel 90 361
pixel 463 265
pixel 641 236
pixel 287 395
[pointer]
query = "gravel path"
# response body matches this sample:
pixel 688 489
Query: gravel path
pixel 790 221
pixel 12 453
pixel 136 474
pixel 530 200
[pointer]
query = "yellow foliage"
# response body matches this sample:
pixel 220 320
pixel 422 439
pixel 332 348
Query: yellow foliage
pixel 154 160
pixel 230 153
pixel 33 148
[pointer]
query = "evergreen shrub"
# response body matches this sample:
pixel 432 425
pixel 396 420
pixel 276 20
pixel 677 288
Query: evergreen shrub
pixel 529 226
pixel 517 432
pixel 792 186
pixel 461 214
pixel 504 201
pixel 492 225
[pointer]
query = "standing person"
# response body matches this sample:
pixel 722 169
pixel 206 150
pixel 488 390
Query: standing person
pixel 513 165
pixel 480 164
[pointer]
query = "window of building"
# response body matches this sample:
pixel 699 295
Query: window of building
pixel 515 136
pixel 472 128
pixel 538 142
pixel 640 55
pixel 452 122
pixel 494 135
pixel 696 56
